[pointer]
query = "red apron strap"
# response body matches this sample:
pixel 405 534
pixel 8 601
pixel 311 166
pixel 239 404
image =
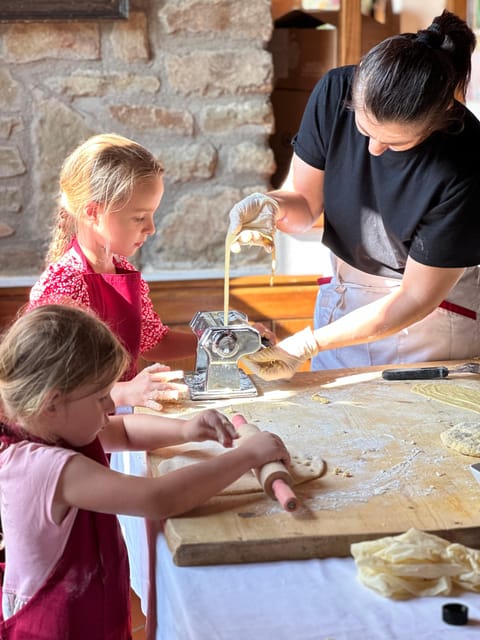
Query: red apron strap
pixel 457 308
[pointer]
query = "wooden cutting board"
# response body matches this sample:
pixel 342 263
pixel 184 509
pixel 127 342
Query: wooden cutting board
pixel 387 471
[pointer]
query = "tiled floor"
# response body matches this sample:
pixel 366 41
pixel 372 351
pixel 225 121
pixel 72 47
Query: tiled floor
pixel 138 619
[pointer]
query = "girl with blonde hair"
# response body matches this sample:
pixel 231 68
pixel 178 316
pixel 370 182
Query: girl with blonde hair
pixel 66 573
pixel 110 189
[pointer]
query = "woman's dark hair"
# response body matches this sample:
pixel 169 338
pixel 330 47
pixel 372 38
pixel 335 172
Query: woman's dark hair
pixel 415 77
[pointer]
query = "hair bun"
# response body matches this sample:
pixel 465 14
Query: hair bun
pixel 432 37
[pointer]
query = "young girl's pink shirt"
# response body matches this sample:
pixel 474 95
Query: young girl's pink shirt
pixel 90 571
pixel 29 474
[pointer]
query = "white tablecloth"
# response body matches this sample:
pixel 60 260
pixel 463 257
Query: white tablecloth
pixel 291 600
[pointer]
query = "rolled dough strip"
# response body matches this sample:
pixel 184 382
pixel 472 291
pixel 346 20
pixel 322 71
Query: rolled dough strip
pixel 451 394
pixel 303 467
pixel 268 243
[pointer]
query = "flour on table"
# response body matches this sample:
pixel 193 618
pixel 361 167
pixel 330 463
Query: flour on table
pixel 451 394
pixel 302 469
pixel 464 438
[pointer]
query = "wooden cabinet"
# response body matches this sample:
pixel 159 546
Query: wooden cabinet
pixel 459 7
pixel 285 307
pixel 300 62
pixel 12 299
pixel 356 33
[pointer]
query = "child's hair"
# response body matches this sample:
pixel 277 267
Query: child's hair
pixel 104 169
pixel 415 77
pixel 54 348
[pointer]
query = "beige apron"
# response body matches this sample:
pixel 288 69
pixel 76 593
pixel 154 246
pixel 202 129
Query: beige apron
pixel 450 332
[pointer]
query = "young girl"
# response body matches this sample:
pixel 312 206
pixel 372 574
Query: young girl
pixel 66 572
pixel 110 188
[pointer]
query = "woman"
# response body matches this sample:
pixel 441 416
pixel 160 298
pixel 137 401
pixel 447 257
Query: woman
pixel 389 155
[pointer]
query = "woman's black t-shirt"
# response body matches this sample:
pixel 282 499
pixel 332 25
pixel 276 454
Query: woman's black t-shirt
pixel 423 202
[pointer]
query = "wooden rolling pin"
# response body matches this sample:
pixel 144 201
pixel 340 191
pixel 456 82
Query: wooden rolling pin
pixel 273 476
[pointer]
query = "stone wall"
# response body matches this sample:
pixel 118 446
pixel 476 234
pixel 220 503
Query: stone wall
pixel 189 79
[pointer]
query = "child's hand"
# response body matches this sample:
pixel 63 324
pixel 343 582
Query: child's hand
pixel 265 447
pixel 210 425
pixel 153 385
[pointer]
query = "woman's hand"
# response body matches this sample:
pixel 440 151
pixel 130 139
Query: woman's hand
pixel 252 221
pixel 210 425
pixel 267 336
pixel 283 359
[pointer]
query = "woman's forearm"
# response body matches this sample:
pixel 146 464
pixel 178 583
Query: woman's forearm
pixel 374 321
pixel 294 214
pixel 420 291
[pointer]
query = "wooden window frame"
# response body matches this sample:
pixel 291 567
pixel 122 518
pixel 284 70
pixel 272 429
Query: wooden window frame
pixel 51 10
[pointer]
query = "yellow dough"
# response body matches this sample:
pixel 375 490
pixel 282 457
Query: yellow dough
pixel 302 469
pixel 416 563
pixel 268 241
pixel 464 438
pixel 451 394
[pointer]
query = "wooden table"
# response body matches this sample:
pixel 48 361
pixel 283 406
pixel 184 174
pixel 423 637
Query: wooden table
pixel 394 474
pixel 387 471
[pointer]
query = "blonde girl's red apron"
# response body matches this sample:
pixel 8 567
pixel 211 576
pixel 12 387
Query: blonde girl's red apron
pixel 87 595
pixel 116 299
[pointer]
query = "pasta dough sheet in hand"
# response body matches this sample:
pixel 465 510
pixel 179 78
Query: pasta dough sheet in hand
pixel 463 437
pixel 302 469
pixel 416 564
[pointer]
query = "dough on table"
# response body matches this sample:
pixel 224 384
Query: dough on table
pixel 302 469
pixel 416 563
pixel 451 394
pixel 463 437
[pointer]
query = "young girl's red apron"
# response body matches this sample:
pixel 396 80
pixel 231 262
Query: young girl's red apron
pixel 116 299
pixel 87 595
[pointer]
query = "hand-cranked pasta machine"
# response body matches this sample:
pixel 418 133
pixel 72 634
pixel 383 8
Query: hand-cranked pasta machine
pixel 220 347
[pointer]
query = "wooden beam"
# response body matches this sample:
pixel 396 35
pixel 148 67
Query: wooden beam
pixel 349 32
pixel 458 7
